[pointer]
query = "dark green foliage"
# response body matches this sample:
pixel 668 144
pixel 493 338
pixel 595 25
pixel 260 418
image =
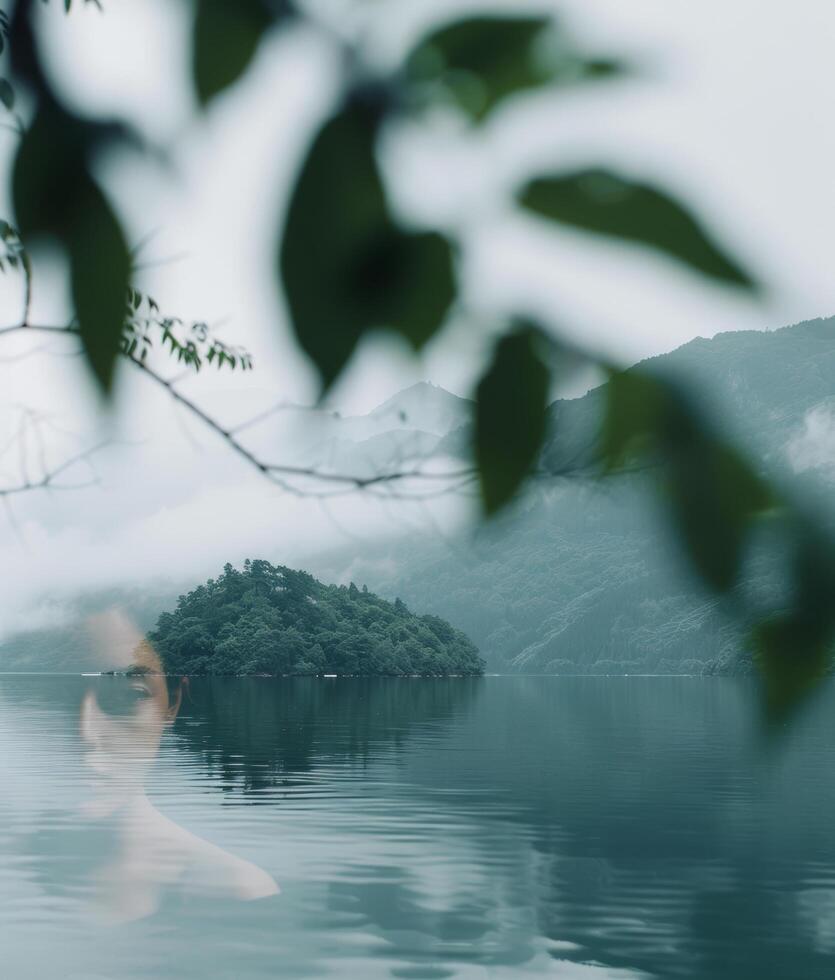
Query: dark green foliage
pixel 226 37
pixel 56 196
pixel 716 497
pixel 49 162
pixel 510 415
pixel 68 4
pixel 718 502
pixel 635 407
pixel 714 494
pixel 192 344
pixel 346 266
pixel 793 649
pixel 6 94
pixel 607 203
pixel 479 62
pixel 100 267
pixel 273 620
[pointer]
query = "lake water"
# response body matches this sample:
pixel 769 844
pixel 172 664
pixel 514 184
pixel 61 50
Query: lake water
pixel 487 827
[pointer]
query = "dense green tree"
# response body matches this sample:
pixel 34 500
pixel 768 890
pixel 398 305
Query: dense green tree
pixel 269 619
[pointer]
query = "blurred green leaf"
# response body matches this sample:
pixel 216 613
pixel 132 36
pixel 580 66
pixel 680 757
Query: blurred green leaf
pixel 794 648
pixel 6 94
pixel 414 275
pixel 606 203
pixel 68 4
pixel 55 196
pixel 480 61
pixel 714 494
pixel 716 501
pixel 347 268
pixel 226 37
pixel 50 161
pixel 100 266
pixel 511 403
pixel 790 667
pixel 634 407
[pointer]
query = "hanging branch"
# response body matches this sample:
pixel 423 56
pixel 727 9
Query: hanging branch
pixel 196 349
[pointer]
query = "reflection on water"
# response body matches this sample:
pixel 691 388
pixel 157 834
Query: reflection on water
pixel 496 827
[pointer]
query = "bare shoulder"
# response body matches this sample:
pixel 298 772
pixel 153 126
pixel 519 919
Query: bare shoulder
pixel 211 870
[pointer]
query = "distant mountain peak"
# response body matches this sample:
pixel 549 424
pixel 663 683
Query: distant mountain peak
pixel 425 406
pixel 418 392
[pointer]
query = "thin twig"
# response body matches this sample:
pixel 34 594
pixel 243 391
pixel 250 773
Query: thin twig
pixel 274 470
pixel 389 485
pixel 48 479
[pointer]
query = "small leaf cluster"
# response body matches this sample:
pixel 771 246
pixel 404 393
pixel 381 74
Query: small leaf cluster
pixel 190 344
pixel 12 255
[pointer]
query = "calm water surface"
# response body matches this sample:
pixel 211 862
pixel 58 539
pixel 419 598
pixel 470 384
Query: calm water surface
pixel 496 827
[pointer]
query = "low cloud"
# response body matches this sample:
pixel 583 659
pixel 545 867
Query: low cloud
pixel 813 448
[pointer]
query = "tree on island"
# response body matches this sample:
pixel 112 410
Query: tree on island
pixel 274 620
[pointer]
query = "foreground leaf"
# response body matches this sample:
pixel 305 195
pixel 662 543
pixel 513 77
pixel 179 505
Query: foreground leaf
pixel 100 266
pixel 635 408
pixel 794 648
pixel 713 493
pixel 347 268
pixel 790 669
pixel 715 497
pixel 50 162
pixel 606 203
pixel 226 37
pixel 511 403
pixel 481 61
pixel 6 94
pixel 56 197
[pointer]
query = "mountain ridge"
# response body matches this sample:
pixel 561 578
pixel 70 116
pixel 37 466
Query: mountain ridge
pixel 579 576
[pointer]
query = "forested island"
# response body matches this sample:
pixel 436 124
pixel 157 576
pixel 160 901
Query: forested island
pixel 268 619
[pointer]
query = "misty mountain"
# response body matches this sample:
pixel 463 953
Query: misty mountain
pixel 65 646
pixel 423 406
pixel 405 429
pixel 581 575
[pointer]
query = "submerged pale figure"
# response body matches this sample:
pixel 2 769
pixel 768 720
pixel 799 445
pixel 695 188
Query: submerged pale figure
pixel 122 721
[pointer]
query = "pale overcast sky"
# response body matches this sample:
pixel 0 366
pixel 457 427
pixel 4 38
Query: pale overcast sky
pixel 731 108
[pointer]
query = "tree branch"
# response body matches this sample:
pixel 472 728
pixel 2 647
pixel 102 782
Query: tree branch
pixel 278 473
pixel 47 481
